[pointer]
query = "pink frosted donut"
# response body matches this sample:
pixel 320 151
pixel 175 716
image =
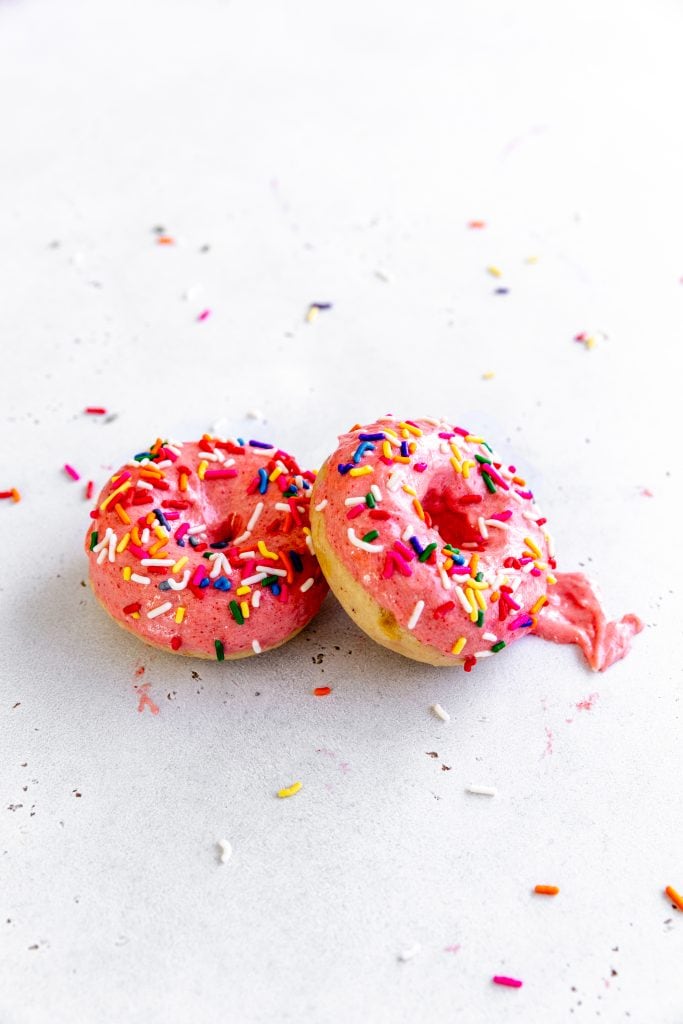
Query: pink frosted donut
pixel 204 548
pixel 435 547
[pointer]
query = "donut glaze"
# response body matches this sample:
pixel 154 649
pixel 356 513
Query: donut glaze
pixel 204 548
pixel 435 546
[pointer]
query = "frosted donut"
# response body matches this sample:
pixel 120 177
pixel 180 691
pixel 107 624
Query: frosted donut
pixel 435 547
pixel 204 548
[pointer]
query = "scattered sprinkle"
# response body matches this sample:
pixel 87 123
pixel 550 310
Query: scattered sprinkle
pixel 481 790
pixel 437 710
pixel 476 225
pixel 546 890
pixel 13 493
pixel 225 848
pixel 489 375
pixel 322 691
pixel 95 410
pixel 204 315
pixel 165 240
pixel 289 791
pixel 408 954
pixel 494 271
pixel 70 471
pixel 501 979
pixel 675 897
pixel 315 308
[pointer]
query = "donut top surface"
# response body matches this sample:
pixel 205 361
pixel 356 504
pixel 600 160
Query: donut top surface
pixel 441 531
pixel 205 546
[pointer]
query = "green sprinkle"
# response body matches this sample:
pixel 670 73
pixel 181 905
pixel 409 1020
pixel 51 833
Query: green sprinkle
pixel 480 619
pixel 479 577
pixel 93 539
pixel 490 486
pixel 267 582
pixel 237 613
pixel 143 455
pixel 220 651
pixel 487 445
pixel 427 552
pixel 480 458
pixel 451 550
pixel 207 554
pixel 370 536
pixel 499 646
pixel 370 500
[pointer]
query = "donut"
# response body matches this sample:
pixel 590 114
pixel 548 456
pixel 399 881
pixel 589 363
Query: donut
pixel 204 548
pixel 435 546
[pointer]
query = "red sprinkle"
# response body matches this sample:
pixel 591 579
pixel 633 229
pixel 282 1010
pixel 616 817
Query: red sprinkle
pixel 444 609
pixel 95 410
pixel 13 494
pixel 470 499
pixel 130 608
pixel 89 488
pixel 322 691
pixel 71 472
pixel 176 642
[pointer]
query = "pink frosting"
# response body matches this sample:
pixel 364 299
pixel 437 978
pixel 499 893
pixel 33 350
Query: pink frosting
pixel 227 503
pixel 452 489
pixel 446 487
pixel 575 615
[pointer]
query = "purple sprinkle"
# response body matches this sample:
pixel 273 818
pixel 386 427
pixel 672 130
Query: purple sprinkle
pixel 371 437
pixel 521 621
pixel 321 305
pixel 261 444
pixel 501 291
pixel 344 467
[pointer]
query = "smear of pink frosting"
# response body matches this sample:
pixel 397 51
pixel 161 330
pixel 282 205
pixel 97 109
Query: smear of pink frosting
pixel 574 615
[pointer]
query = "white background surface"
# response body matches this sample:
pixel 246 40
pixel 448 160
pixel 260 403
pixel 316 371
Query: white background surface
pixel 314 147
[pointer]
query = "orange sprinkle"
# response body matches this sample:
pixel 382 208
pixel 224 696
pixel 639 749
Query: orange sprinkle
pixel 121 513
pixel 322 691
pixel 546 890
pixel 284 557
pixel 418 508
pixel 476 224
pixel 539 604
pixel 675 897
pixel 182 485
pixel 165 240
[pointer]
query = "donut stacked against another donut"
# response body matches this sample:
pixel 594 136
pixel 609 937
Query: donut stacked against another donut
pixel 431 542
pixel 204 548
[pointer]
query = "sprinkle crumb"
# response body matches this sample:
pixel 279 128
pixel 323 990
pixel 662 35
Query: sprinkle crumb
pixel 290 790
pixel 70 471
pixel 489 375
pixel 481 790
pixel 204 315
pixel 225 848
pixel 501 979
pixel 546 890
pixel 440 713
pixel 254 414
pixel 494 271
pixel 408 954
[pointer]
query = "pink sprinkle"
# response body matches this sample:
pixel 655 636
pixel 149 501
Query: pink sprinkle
pixel 496 476
pixel 501 979
pixel 535 572
pixel 502 516
pixel 356 510
pixel 198 575
pixel 71 471
pixel 406 553
pixel 461 431
pixel 420 467
pixel 181 531
pixel 204 315
pixel 137 551
pixel 445 435
pixel 284 593
pixel 388 570
pixel 219 474
pixel 172 515
pixel 400 563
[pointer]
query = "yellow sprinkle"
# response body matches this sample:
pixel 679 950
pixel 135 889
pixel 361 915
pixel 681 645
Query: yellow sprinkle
pixel 590 342
pixel 360 471
pixel 474 439
pixel 312 314
pixel 531 259
pixel 119 490
pixel 413 430
pixel 494 271
pixel 456 465
pixel 179 564
pixel 391 435
pixel 244 605
pixel 156 547
pixel 182 483
pixel 289 791
pixel 243 590
pixel 448 563
pixel 410 490
pixel 123 543
pixel 476 585
pixel 533 548
pixel 469 594
pixel 127 572
pixel 203 466
pixel 459 644
pixel 539 604
pixel 179 614
pixel 275 474
pixel 479 598
pixel 551 579
pixel 265 552
pixel 401 458
pixel 456 451
pixel 122 514
pixel 135 615
pixel 386 450
pixel 489 375
pixel 418 508
pixel 466 467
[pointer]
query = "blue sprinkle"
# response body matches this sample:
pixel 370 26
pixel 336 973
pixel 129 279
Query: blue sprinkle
pixel 220 544
pixel 501 291
pixel 523 625
pixel 161 518
pixel 180 543
pixel 361 450
pixel 458 559
pixel 164 585
pixel 371 437
pixel 416 546
pixel 205 582
pixel 222 584
pixel 142 455
pixel 193 541
pixel 260 444
pixel 275 589
pixel 297 564
pixel 306 484
pixel 263 481
pixel 344 467
pixel 404 449
pixel 240 441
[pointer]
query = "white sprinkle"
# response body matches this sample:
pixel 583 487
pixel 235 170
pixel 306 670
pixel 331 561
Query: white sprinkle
pixel 101 556
pixel 196 529
pixel 248 554
pixel 530 516
pixel 481 790
pixel 417 612
pixel 256 645
pixel 489 636
pixel 497 523
pixel 113 541
pixel 269 571
pixel 280 506
pixel 159 610
pixel 179 584
pixel 444 578
pixel 136 578
pixel 144 485
pixel 407 533
pixel 104 543
pixel 175 447
pixel 483 654
pixel 321 505
pixel 363 545
pixel 164 464
pixel 157 561
pixel 209 456
pixel 251 580
pixel 517 497
pixel 462 599
pixel 241 539
pixel 528 567
pixel 256 599
pixel 443 448
pixel 482 528
pixel 225 847
pixel 408 954
pixel 551 544
pixel 440 713
pixel 254 414
pixel 359 499
pixel 307 585
pixel 144 536
pixel 309 543
pixel 220 564
pixel 375 491
pixel 394 481
pixel 191 293
pixel 255 517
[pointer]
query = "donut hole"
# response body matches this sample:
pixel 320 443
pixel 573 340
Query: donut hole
pixel 222 528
